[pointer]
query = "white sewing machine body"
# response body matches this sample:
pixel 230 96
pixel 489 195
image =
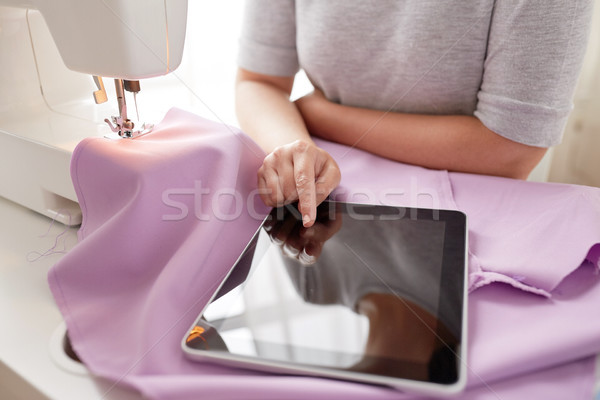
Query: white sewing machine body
pixel 46 109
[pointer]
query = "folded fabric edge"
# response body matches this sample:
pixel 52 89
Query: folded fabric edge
pixel 593 255
pixel 478 277
pixel 63 306
pixel 75 180
pixel 483 278
pixel 75 336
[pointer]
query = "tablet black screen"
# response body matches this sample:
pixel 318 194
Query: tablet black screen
pixel 372 289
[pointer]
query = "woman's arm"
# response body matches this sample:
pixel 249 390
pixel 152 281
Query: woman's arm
pixel 452 142
pixel 295 169
pixel 265 112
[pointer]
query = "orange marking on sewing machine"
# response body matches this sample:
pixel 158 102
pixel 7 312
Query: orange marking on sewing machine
pixel 196 332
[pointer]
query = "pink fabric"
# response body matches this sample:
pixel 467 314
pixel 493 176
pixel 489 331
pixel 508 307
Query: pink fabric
pixel 542 232
pixel 143 271
pixel 527 234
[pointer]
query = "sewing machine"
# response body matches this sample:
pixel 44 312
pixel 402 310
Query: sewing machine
pixel 53 55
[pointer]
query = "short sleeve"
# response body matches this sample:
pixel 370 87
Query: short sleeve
pixel 268 38
pixel 534 56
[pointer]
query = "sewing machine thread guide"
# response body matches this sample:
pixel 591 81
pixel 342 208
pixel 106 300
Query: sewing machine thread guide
pixel 100 94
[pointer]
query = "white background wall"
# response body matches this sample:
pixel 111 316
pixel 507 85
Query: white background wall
pixel 209 61
pixel 577 159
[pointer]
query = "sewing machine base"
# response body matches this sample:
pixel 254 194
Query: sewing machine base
pixel 35 172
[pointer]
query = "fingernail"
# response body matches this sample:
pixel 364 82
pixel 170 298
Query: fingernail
pixel 306 258
pixel 305 219
pixel 276 240
pixel 290 250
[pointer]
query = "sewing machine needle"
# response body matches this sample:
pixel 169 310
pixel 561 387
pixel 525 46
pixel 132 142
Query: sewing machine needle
pixel 136 108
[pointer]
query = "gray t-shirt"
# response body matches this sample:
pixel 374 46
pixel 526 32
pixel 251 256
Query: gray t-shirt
pixel 512 63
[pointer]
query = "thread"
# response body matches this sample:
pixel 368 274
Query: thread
pixel 34 256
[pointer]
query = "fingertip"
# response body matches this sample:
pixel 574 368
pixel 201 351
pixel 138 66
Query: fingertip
pixel 308 211
pixel 307 221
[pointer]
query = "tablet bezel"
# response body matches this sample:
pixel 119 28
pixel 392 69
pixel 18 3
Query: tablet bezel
pixel 403 384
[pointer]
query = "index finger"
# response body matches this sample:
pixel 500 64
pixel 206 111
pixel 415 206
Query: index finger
pixel 304 176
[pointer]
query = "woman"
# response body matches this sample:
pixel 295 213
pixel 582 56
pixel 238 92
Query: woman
pixel 480 86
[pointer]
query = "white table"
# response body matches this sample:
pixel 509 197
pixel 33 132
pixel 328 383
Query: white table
pixel 32 363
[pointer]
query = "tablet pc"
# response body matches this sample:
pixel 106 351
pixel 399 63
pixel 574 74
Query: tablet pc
pixel 370 293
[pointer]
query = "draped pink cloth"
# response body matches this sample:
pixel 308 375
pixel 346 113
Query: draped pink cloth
pixel 165 215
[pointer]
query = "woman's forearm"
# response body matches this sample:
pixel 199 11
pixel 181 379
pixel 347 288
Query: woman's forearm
pixel 265 112
pixel 452 142
pixel 295 169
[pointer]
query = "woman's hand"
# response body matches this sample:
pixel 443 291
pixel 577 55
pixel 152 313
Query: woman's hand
pixel 298 171
pixel 302 243
pixel 295 169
